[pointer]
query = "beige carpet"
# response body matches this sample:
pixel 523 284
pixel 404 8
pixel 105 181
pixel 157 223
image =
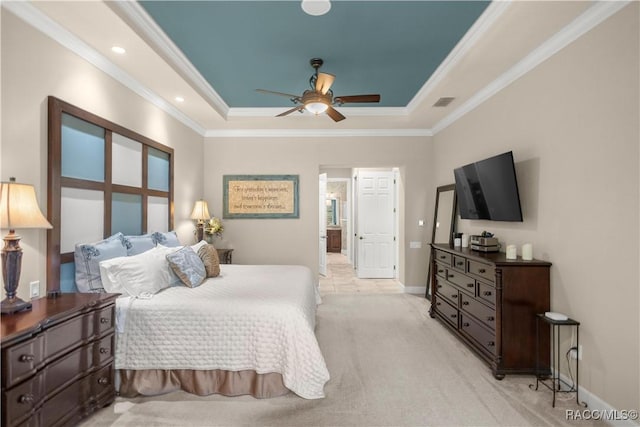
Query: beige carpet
pixel 390 365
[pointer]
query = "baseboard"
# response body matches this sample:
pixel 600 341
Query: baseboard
pixel 599 409
pixel 418 290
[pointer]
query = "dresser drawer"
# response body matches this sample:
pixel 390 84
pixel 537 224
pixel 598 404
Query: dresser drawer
pixel 441 270
pixel 103 350
pixel 65 408
pixel 67 369
pixel 21 361
pixel 482 270
pixel 459 263
pixel 447 292
pixel 486 315
pixel 487 293
pixel 449 313
pixel 64 337
pixel 484 338
pixel 443 257
pixel 105 320
pixel 465 283
pixel 21 401
pixel 101 384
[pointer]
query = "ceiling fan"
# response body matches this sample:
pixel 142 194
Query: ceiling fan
pixel 319 99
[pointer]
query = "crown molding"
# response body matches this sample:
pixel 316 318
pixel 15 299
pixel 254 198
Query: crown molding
pixel 41 22
pixel 315 133
pixel 143 24
pixel 350 111
pixel 477 30
pixel 590 18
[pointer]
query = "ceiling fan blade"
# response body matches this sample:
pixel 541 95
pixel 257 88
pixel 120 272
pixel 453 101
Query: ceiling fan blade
pixel 286 113
pixel 335 114
pixel 288 95
pixel 357 98
pixel 324 82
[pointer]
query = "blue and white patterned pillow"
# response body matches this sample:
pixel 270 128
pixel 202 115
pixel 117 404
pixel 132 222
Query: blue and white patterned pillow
pixel 168 239
pixel 138 244
pixel 188 266
pixel 88 256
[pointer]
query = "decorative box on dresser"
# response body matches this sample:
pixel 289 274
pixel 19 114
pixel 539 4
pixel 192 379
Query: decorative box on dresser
pixel 57 360
pixel 491 303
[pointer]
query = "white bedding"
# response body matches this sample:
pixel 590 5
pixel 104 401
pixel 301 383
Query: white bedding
pixel 251 317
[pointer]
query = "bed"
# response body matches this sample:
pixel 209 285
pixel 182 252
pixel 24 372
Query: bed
pixel 248 331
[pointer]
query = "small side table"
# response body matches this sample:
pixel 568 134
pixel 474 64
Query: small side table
pixel 543 373
pixel 225 255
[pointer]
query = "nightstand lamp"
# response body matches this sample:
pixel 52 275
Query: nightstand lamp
pixel 200 214
pixel 18 209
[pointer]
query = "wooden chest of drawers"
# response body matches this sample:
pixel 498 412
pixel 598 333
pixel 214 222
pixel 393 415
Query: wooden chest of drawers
pixel 57 360
pixel 491 303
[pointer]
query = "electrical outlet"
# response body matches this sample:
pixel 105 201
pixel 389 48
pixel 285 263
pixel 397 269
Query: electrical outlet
pixel 576 353
pixel 35 289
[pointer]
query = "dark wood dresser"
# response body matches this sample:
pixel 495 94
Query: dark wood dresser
pixel 491 303
pixel 334 240
pixel 57 360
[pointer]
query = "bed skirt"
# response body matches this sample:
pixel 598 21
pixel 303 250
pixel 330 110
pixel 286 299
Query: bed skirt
pixel 152 382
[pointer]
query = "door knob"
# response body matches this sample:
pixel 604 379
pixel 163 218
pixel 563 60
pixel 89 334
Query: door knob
pixel 361 238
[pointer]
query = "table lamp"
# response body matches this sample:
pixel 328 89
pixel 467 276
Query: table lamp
pixel 18 209
pixel 200 213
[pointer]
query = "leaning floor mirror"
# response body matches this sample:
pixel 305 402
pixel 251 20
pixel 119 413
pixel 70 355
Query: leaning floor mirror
pixel 444 222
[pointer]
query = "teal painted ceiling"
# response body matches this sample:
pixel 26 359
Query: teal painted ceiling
pixel 385 47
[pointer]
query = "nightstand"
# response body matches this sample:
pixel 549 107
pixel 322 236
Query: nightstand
pixel 225 255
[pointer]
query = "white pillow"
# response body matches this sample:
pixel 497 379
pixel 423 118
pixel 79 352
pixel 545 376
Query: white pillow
pixel 198 245
pixel 146 273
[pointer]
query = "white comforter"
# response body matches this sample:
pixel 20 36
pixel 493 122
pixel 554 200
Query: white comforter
pixel 252 317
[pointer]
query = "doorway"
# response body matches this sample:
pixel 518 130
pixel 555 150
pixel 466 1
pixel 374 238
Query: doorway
pixel 361 207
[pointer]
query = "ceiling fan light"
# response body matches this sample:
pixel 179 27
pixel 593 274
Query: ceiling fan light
pixel 316 7
pixel 316 107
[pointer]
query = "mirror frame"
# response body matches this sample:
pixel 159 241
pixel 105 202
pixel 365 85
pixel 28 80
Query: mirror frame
pixel 454 210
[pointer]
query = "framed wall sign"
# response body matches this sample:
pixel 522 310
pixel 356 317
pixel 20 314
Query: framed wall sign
pixel 260 196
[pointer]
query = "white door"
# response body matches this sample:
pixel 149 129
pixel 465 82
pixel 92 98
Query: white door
pixel 376 219
pixel 322 229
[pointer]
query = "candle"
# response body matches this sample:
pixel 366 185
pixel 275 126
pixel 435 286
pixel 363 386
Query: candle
pixel 511 252
pixel 527 251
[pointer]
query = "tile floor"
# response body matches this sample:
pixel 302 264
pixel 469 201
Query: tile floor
pixel 341 279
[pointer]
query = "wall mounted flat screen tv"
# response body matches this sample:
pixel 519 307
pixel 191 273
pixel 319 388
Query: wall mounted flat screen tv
pixel 488 189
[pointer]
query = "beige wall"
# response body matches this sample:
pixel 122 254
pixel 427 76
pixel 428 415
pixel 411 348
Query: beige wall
pixel 34 67
pixel 572 124
pixel 295 241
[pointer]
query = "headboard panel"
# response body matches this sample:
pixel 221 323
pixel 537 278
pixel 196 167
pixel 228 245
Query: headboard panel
pixel 102 178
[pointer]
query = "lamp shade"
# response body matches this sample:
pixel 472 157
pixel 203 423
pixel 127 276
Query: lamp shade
pixel 200 211
pixel 19 207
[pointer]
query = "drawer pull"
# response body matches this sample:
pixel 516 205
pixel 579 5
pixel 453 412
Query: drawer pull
pixel 104 320
pixel 491 318
pixel 443 257
pixel 451 275
pixel 491 344
pixel 438 303
pixel 487 293
pixel 482 270
pixel 454 296
pixel 25 398
pixel 439 286
pixel 25 358
pixel 453 316
pixel 465 302
pixel 440 271
pixel 466 324
pixel 103 380
pixel 104 350
pixel 470 285
pixel 460 263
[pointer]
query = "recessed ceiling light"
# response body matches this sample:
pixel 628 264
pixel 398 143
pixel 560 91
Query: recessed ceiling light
pixel 316 7
pixel 179 99
pixel 119 50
